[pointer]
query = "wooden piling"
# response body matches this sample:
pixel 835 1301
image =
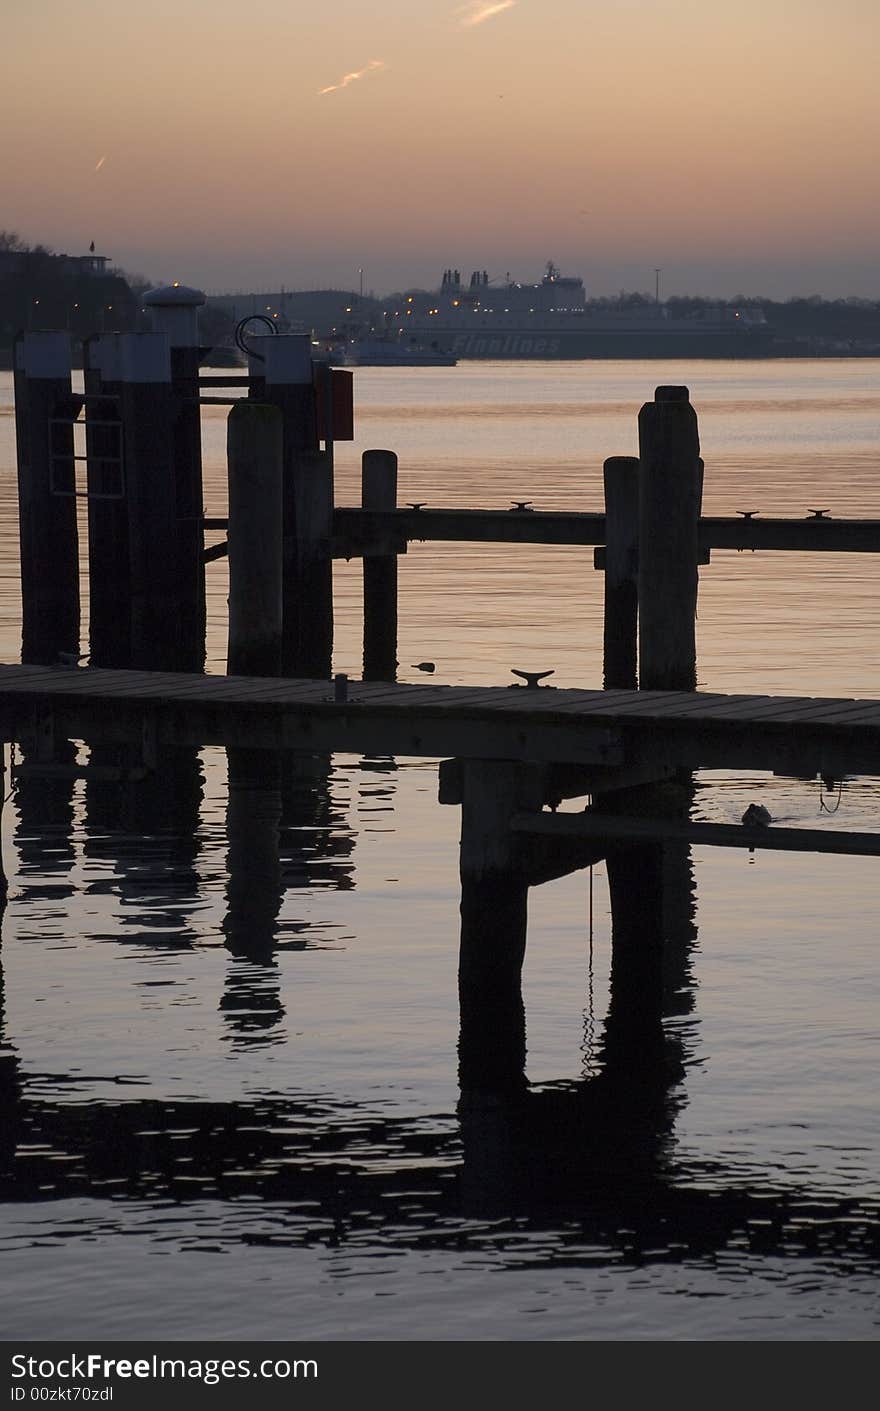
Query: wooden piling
pixel 281 369
pixel 669 509
pixel 49 548
pixel 254 441
pixel 151 500
pixel 379 492
pixel 620 636
pixel 109 561
pixel 173 311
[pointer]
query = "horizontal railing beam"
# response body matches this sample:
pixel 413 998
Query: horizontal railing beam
pixel 356 529
pixel 609 827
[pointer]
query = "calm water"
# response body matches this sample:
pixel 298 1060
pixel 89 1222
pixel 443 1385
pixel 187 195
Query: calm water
pixel 204 1142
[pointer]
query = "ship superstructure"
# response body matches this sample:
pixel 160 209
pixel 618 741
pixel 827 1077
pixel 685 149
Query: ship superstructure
pixel 481 318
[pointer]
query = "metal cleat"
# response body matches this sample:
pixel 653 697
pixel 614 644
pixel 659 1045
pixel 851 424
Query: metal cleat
pixel 531 678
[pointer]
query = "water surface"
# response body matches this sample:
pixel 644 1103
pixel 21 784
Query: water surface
pixel 237 1113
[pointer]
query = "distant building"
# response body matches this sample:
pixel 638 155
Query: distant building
pixel 90 264
pixel 82 294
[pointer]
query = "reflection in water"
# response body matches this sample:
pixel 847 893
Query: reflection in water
pixel 549 1146
pixel 316 842
pixel 10 1085
pixel 141 840
pixel 285 832
pixel 253 818
pixel 299 1170
pixel 251 1002
pixel 579 1173
pixel 44 802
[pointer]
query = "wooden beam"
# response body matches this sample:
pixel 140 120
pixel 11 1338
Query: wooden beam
pixel 730 835
pixel 354 527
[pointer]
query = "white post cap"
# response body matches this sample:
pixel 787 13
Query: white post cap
pixel 44 354
pixel 173 309
pixel 145 357
pixel 284 358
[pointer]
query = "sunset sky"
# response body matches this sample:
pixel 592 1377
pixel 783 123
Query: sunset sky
pixel 248 145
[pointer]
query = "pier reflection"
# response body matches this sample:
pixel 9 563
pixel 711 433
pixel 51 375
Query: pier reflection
pixel 575 1172
pixel 10 1086
pixel 44 793
pixel 251 1003
pixel 570 1173
pixel 286 833
pixel 320 1173
pixel 553 1145
pixel 141 841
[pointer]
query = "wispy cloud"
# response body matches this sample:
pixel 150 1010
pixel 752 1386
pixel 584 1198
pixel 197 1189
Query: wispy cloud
pixel 477 11
pixel 358 73
pixel 99 163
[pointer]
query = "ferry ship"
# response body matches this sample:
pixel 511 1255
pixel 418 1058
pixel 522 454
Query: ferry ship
pixel 552 319
pixel 384 351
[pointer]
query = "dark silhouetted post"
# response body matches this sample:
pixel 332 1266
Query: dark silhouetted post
pixel 49 545
pixel 109 562
pixel 379 492
pixel 254 443
pixel 669 510
pixel 150 496
pixel 282 373
pixel 173 311
pixel 621 476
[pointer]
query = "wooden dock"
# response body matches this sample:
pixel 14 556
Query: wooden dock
pixel 606 730
pixel 509 753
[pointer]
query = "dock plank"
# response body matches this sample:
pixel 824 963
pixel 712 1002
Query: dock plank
pixel 564 725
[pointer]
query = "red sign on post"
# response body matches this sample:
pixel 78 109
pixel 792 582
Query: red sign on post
pixel 341 386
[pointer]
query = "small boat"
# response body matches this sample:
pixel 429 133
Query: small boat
pixel 378 351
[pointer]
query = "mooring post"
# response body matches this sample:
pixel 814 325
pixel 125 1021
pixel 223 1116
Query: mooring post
pixel 254 445
pixel 282 373
pixel 670 478
pixel 379 492
pixel 151 499
pixel 109 561
pixel 174 310
pixel 494 896
pixel 621 478
pixel 49 546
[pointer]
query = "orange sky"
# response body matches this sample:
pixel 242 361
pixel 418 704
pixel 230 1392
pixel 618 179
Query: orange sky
pixel 278 142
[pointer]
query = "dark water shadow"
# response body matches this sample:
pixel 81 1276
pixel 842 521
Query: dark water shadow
pixel 577 1173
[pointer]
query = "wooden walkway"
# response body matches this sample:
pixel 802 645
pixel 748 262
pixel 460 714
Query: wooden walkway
pixel 604 729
